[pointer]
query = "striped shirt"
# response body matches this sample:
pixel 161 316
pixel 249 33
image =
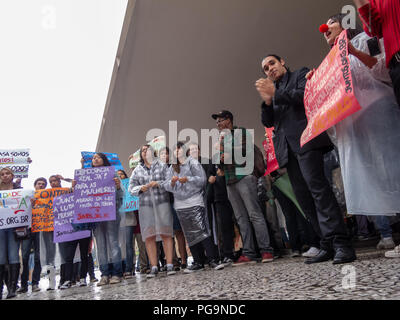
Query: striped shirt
pixel 385 22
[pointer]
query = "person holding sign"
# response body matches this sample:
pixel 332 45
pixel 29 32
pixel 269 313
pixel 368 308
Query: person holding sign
pixel 368 141
pixel 9 246
pixel 156 222
pixel 106 234
pixel 283 108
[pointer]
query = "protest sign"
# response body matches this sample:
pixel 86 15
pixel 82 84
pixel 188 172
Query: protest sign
pixel 15 208
pixel 272 163
pixel 63 210
pixel 42 211
pixel 329 95
pixel 94 195
pixel 112 157
pixel 157 144
pixel 16 160
pixel 131 203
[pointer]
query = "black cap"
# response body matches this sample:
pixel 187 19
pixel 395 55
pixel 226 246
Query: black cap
pixel 223 114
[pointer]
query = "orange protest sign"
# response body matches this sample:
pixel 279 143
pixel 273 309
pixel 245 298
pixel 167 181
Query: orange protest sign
pixel 329 95
pixel 42 210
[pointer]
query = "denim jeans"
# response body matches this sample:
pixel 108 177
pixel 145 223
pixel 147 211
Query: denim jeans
pixel 108 249
pixel 9 247
pixel 383 225
pixel 244 199
pixel 130 250
pixel 32 242
pixel 50 247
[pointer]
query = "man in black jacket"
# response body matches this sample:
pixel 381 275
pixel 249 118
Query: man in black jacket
pixel 283 108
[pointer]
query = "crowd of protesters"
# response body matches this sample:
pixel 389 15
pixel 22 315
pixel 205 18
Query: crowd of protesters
pixel 191 206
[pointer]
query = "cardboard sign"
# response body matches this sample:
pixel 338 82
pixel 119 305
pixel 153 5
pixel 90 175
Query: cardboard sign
pixel 94 195
pixel 15 208
pixel 272 163
pixel 131 203
pixel 42 211
pixel 329 95
pixel 112 157
pixel 16 160
pixel 63 210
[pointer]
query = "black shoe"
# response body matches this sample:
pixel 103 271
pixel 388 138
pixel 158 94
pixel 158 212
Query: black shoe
pixel 215 265
pixel 22 290
pixel 344 255
pixel 322 256
pixel 183 266
pixel 194 268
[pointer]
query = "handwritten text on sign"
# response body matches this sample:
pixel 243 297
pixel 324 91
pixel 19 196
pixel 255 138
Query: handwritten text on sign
pixel 272 163
pixel 94 195
pixel 16 160
pixel 15 208
pixel 329 95
pixel 42 211
pixel 63 210
pixel 131 203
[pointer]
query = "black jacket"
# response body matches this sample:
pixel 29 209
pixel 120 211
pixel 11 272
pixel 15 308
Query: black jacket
pixel 288 116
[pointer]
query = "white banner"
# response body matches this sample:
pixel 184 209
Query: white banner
pixel 16 160
pixel 15 208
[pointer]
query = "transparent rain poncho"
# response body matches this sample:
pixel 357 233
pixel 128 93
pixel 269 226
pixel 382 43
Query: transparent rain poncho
pixel 369 140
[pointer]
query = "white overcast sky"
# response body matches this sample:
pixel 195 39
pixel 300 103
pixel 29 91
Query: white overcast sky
pixel 56 62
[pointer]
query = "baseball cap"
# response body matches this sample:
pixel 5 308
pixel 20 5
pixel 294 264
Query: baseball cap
pixel 223 114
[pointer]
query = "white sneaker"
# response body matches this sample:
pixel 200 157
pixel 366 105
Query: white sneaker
pixel 82 283
pixel 395 253
pixel 295 253
pixel 66 285
pixel 386 243
pixel 312 252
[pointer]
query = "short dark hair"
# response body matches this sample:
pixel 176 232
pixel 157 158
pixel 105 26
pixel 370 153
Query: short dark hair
pixel 277 58
pixel 40 179
pixel 351 33
pixel 54 176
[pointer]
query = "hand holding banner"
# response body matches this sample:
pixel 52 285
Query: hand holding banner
pixel 329 95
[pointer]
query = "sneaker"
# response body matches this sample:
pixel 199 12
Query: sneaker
pixel 115 280
pixel 94 280
pixel 22 290
pixel 243 260
pixel 35 288
pixel 311 253
pixel 183 266
pixel 395 253
pixel 194 267
pixel 66 285
pixel 216 265
pixel 170 270
pixel 227 262
pixel 128 275
pixel 82 283
pixel 153 273
pixel 386 243
pixel 267 257
pixel 295 254
pixel 103 281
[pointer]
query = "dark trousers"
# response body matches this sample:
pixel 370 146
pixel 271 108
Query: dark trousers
pixel 70 248
pixel 299 229
pixel 207 246
pixel 395 76
pixel 224 214
pixel 316 198
pixel 32 242
pixel 91 266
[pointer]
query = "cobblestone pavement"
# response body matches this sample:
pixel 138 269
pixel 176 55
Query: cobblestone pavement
pixel 376 277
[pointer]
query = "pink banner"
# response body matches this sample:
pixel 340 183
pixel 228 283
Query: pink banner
pixel 272 163
pixel 329 95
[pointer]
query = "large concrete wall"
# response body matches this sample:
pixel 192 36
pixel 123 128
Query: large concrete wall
pixel 185 59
